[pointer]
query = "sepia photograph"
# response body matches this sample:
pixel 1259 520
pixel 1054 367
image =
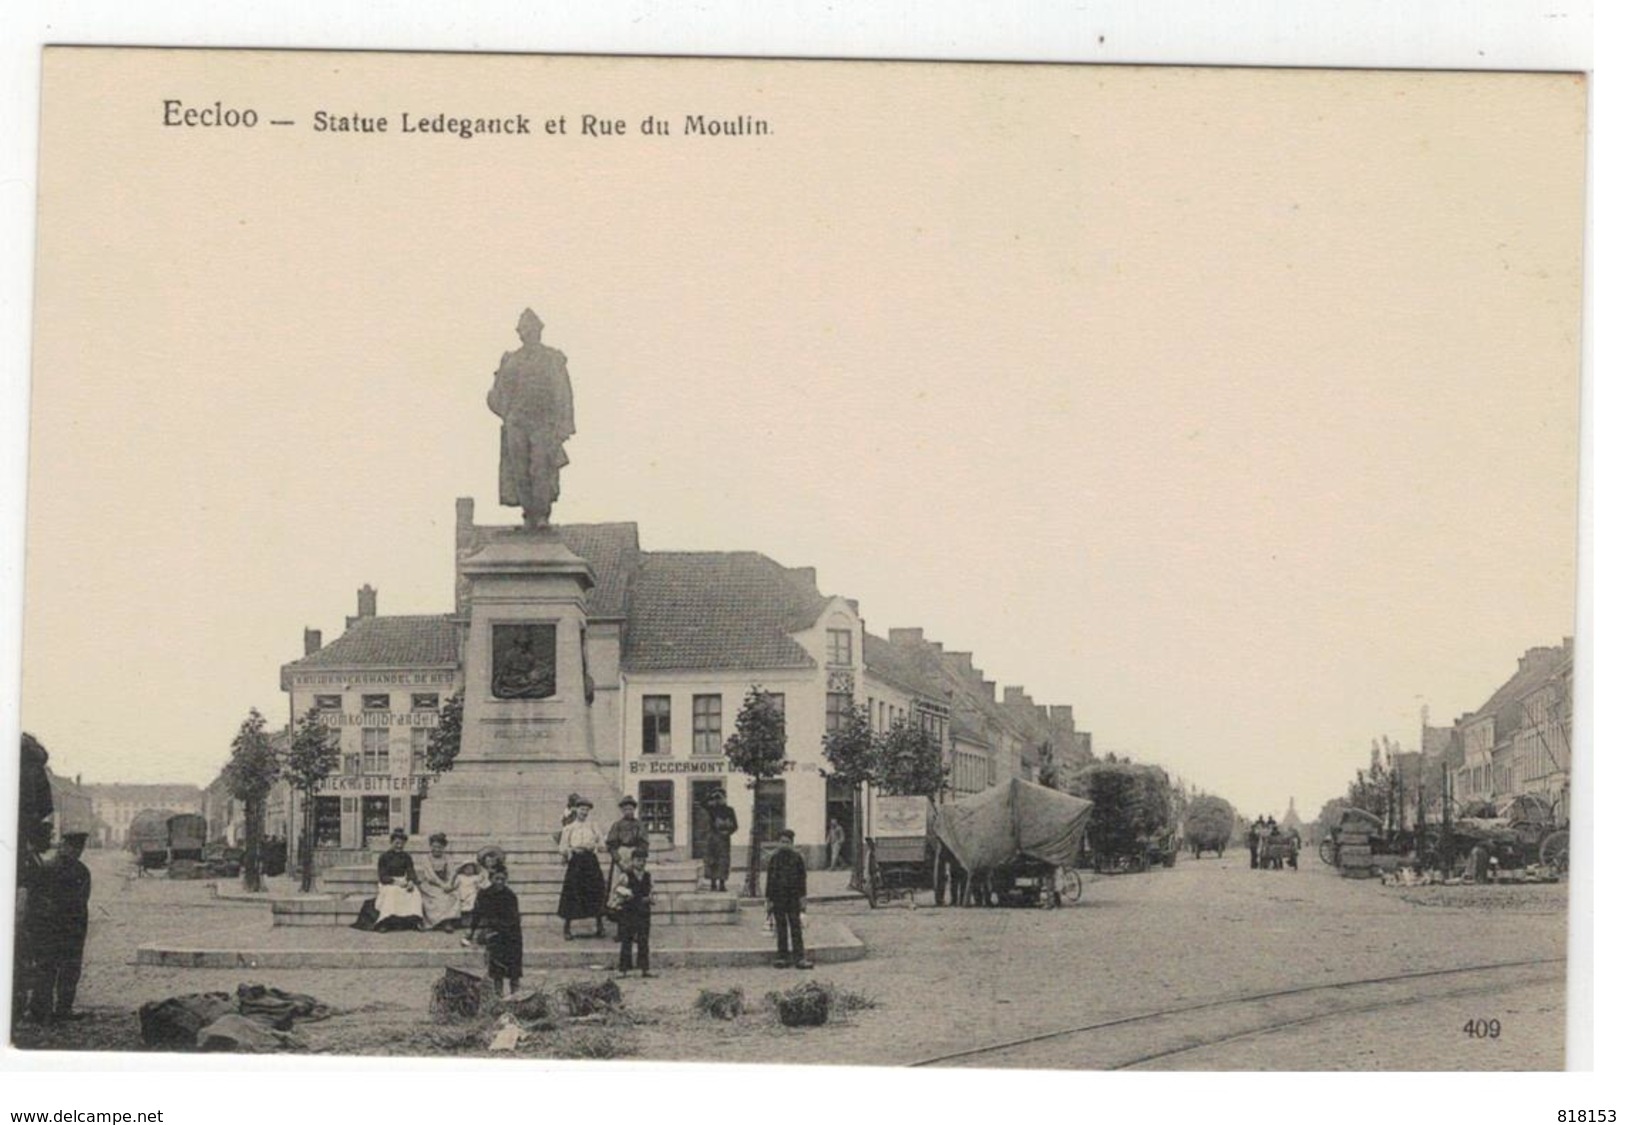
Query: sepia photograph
pixel 906 564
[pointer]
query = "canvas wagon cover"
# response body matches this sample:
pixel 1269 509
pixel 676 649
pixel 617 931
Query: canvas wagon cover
pixel 1016 818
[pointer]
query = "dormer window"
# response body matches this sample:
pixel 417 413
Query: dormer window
pixel 840 647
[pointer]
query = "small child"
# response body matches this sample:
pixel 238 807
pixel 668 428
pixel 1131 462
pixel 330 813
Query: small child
pixel 633 897
pixel 496 921
pixel 466 885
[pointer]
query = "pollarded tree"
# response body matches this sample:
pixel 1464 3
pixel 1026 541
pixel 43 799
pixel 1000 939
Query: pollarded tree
pixel 313 755
pixel 850 751
pixel 250 772
pixel 756 749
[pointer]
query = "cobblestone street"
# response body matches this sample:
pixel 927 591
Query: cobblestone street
pixel 1199 944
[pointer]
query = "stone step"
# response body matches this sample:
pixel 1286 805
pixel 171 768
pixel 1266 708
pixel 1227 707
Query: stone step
pixel 523 878
pixel 694 908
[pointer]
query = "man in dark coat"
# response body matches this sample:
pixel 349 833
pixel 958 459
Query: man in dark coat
pixel 59 920
pixel 35 807
pixel 722 824
pixel 497 922
pixel 786 890
pixel 1255 837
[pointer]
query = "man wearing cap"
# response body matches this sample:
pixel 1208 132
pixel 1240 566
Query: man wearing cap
pixel 786 892
pixel 59 925
pixel 722 824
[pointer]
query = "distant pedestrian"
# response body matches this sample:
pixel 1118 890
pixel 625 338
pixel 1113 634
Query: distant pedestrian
pixel 834 841
pixel 721 824
pixel 633 899
pixel 1255 839
pixel 59 922
pixel 496 925
pixel 34 810
pixel 786 896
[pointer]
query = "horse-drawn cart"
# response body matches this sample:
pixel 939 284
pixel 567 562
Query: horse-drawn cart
pixel 902 850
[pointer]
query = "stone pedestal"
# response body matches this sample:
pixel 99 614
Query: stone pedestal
pixel 529 736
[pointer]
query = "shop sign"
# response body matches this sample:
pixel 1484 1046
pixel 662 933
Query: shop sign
pixel 374 784
pixel 714 767
pixel 330 679
pixel 380 718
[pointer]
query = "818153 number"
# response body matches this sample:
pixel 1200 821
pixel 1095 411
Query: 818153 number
pixel 1585 1116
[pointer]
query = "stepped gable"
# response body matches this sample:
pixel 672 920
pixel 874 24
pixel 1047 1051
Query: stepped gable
pixel 390 642
pixel 719 610
pixel 885 661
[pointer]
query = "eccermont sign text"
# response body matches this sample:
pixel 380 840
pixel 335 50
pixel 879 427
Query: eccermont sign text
pixel 701 766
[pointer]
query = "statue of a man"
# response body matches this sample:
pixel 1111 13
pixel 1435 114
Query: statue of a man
pixel 532 394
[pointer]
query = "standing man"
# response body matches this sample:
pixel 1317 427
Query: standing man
pixel 1254 838
pixel 59 926
pixel 35 807
pixel 532 395
pixel 834 841
pixel 719 840
pixel 786 893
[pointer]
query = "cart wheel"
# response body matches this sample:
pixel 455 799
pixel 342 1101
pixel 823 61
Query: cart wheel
pixel 873 882
pixel 1554 851
pixel 1070 884
pixel 1328 852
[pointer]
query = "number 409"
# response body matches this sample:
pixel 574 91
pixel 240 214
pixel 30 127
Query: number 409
pixel 1482 1029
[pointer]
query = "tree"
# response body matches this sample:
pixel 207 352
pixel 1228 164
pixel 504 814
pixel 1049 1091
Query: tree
pixel 909 763
pixel 446 739
pixel 313 754
pixel 850 751
pixel 756 749
pixel 250 772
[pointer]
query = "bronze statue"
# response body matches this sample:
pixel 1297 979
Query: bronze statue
pixel 532 395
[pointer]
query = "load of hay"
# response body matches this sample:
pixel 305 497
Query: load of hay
pixel 1132 804
pixel 721 1005
pixel 1208 824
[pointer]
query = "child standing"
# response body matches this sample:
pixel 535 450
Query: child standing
pixel 496 920
pixel 634 897
pixel 786 890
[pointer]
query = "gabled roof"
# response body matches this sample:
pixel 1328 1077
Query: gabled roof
pixel 718 610
pixel 388 642
pixel 611 549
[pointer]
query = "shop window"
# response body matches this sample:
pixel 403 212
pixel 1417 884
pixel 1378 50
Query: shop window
pixel 375 702
pixel 329 822
pixel 657 724
pixel 375 750
pixel 839 647
pixel 655 803
pixel 374 819
pixel 708 724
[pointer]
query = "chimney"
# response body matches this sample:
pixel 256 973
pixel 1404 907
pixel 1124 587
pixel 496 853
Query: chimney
pixel 990 690
pixel 960 662
pixel 906 636
pixel 313 640
pixel 1061 715
pixel 465 522
pixel 1014 695
pixel 366 602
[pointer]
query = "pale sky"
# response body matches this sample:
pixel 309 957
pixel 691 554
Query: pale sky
pixel 1236 409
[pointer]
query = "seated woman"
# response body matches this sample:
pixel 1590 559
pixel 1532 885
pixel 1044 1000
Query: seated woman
pixel 435 883
pixel 399 905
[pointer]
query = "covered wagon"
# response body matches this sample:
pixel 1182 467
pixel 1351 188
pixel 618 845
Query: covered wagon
pixel 1010 841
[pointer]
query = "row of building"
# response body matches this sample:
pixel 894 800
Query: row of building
pixel 674 641
pixel 1519 742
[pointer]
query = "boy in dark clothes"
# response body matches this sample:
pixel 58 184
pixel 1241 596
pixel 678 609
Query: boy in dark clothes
pixel 786 888
pixel 633 897
pixel 496 918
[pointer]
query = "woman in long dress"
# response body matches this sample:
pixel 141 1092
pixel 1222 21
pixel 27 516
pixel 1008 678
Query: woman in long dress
pixel 583 893
pixel 436 883
pixel 400 906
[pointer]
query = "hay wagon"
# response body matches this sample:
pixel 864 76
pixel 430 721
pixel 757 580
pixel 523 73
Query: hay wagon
pixel 902 850
pixel 1016 843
